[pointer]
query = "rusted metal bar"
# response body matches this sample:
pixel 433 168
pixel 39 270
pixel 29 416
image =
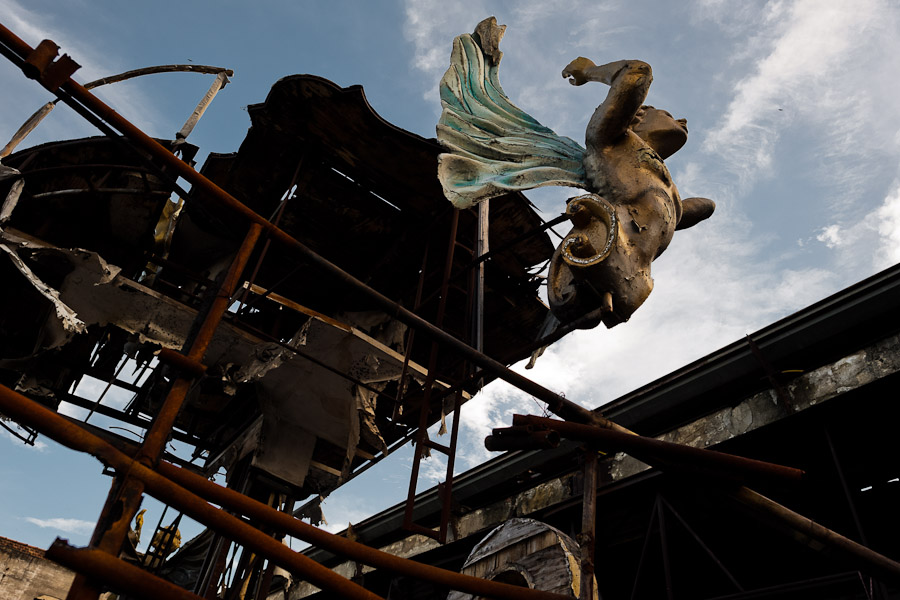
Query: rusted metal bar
pixel 73 436
pixel 474 324
pixel 556 403
pixel 102 395
pixel 25 440
pixel 668 455
pixel 118 574
pixel 186 491
pixel 445 489
pixel 483 256
pixel 411 336
pixel 430 378
pixel 178 360
pixel 276 219
pixel 225 293
pixel 819 538
pixel 482 248
pixel 125 495
pixel 879 590
pixel 588 524
pixel 644 547
pixel 158 69
pixel 340 545
pixel 665 503
pixel 124 417
pixel 39 115
pixel 262 590
pixel 86 192
pixel 664 547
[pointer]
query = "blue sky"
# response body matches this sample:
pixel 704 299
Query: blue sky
pixel 795 133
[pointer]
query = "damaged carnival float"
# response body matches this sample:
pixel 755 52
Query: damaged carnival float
pixel 313 302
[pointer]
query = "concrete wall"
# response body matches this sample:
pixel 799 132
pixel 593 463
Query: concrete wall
pixel 25 574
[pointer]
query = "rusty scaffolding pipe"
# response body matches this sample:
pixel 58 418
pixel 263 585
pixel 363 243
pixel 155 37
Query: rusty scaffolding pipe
pixel 795 525
pixel 168 484
pixel 340 545
pixel 120 575
pixel 815 536
pixel 124 497
pixel 75 437
pixel 558 404
pixel 663 454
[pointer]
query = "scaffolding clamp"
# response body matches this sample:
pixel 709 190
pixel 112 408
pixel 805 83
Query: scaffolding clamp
pixel 40 65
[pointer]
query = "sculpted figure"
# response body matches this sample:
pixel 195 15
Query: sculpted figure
pixel 633 208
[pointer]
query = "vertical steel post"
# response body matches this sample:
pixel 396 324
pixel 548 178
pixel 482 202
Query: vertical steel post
pixel 588 523
pixel 126 492
pixel 664 546
pixel 879 591
pixel 482 247
pixel 422 433
pixel 644 547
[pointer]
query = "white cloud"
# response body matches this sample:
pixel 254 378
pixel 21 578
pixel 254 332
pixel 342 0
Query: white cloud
pixel 339 511
pixel 24 96
pixel 813 73
pixel 432 470
pixel 831 236
pixel 431 26
pixel 530 72
pixel 869 241
pixel 711 289
pixel 887 219
pixel 73 526
pixel 724 279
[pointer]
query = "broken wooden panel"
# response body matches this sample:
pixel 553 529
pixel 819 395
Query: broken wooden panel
pixel 302 403
pixel 301 396
pixel 366 198
pixel 528 553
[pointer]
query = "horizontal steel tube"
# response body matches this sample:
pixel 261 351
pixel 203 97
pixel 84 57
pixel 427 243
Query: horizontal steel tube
pixel 821 539
pixel 342 546
pixel 559 405
pixel 118 574
pixel 22 409
pixel 190 492
pixel 664 454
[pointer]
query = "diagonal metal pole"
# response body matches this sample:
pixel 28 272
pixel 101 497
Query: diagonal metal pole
pixel 119 574
pixel 125 496
pixel 83 99
pixel 18 51
pixel 702 545
pixel 192 494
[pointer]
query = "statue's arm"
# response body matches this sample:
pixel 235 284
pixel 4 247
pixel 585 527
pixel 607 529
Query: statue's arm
pixel 695 210
pixel 628 81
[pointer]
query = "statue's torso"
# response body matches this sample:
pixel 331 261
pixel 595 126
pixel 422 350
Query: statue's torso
pixel 634 179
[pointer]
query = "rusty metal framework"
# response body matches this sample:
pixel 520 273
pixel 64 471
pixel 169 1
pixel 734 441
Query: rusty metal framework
pixel 142 469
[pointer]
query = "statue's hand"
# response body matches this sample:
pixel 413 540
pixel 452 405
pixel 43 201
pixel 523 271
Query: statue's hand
pixel 575 70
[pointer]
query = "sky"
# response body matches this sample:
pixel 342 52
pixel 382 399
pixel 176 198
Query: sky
pixel 794 132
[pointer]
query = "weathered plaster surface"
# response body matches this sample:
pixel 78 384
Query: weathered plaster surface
pixel 807 390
